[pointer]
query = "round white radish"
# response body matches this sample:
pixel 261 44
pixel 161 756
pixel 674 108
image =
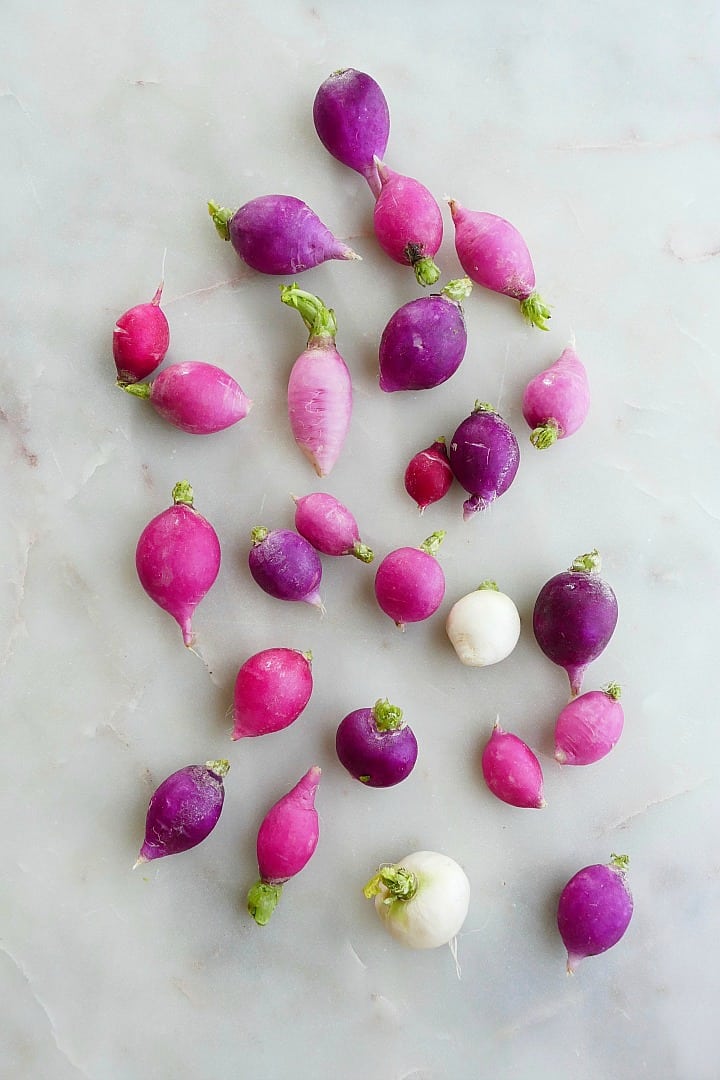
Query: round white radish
pixel 423 900
pixel 483 626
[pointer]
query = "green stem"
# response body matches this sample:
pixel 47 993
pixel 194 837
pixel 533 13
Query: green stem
pixel 308 656
pixel 258 534
pixel 589 563
pixel 387 717
pixel 488 585
pixel 544 435
pixel 433 542
pixel 221 767
pixel 458 289
pixel 426 272
pixel 401 884
pixel 319 319
pixel 483 406
pixel 620 862
pixel 536 311
pixel 221 217
pixel 182 493
pixel 262 899
pixel 137 389
pixel 362 552
pixel 613 690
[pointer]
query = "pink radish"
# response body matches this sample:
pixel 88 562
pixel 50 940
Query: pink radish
pixel 511 770
pixel 408 223
pixel 352 119
pixel 556 402
pixel 183 810
pixel 271 690
pixel 195 397
pixel 589 726
pixel 285 565
pixel 428 477
pixel 329 526
pixel 409 582
pixel 140 340
pixel 594 910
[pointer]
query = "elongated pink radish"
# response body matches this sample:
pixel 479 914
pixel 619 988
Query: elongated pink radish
pixel 329 526
pixel 141 339
pixel 196 397
pixel 271 690
pixel 556 402
pixel 512 771
pixel 408 223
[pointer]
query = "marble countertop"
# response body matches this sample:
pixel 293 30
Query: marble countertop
pixel 595 130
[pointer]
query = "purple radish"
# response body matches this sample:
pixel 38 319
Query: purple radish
pixel 285 565
pixel 575 616
pixel 594 910
pixel 278 234
pixel 140 340
pixel 556 401
pixel 409 582
pixel 511 770
pixel 319 389
pixel 178 558
pixel 428 477
pixel 408 223
pixel 286 842
pixel 425 340
pixel 195 397
pixel 271 690
pixel 329 526
pixel 484 457
pixel 493 253
pixel 183 810
pixel 589 726
pixel 376 746
pixel 352 119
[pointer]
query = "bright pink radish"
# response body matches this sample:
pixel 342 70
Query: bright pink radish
pixel 278 234
pixel 589 726
pixel 286 842
pixel 178 558
pixel 493 253
pixel 511 770
pixel 428 477
pixel 594 910
pixel 408 223
pixel 140 340
pixel 195 397
pixel 184 809
pixel 271 690
pixel 352 119
pixel 409 582
pixel 484 457
pixel 376 746
pixel 556 401
pixel 329 526
pixel 575 616
pixel 285 565
pixel 319 389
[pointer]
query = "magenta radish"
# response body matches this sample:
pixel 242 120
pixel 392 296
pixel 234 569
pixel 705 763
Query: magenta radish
pixel 178 558
pixel 511 770
pixel 140 340
pixel 493 253
pixel 183 810
pixel 352 120
pixel 408 223
pixel 483 626
pixel 423 900
pixel 424 342
pixel 329 526
pixel 575 616
pixel 319 389
pixel 589 726
pixel 278 234
pixel 428 477
pixel 376 746
pixel 556 402
pixel 285 565
pixel 410 583
pixel 484 457
pixel 286 842
pixel 271 690
pixel 594 910
pixel 195 397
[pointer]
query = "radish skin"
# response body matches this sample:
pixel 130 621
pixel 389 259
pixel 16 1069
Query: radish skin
pixel 484 457
pixel 428 476
pixel 329 526
pixel 141 339
pixel 594 910
pixel 183 810
pixel 556 402
pixel 272 688
pixel 285 565
pixel 352 120
pixel 424 341
pixel 195 397
pixel 589 726
pixel 410 583
pixel 423 900
pixel 483 626
pixel 376 746
pixel 512 771
pixel 408 223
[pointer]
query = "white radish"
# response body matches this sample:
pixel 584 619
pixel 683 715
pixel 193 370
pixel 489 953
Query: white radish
pixel 423 900
pixel 484 626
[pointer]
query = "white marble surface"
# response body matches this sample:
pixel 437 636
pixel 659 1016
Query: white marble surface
pixel 595 129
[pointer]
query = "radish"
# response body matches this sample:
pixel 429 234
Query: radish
pixel 319 389
pixel 556 402
pixel 409 582
pixel 278 234
pixel 589 726
pixel 376 746
pixel 425 340
pixel 575 616
pixel 408 223
pixel 511 770
pixel 286 842
pixel 140 340
pixel 178 558
pixel 428 477
pixel 195 397
pixel 423 900
pixel 329 526
pixel 484 457
pixel 285 565
pixel 484 626
pixel 352 119
pixel 493 253
pixel 183 810
pixel 594 910
pixel 271 690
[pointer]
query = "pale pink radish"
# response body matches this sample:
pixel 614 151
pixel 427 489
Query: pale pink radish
pixel 556 402
pixel 271 690
pixel 512 771
pixel 408 223
pixel 329 526
pixel 196 397
pixel 589 726
pixel 140 340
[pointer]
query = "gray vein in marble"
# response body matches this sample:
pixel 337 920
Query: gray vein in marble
pixel 624 822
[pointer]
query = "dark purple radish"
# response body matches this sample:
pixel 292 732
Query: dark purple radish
pixel 589 726
pixel 183 810
pixel 410 583
pixel 484 457
pixel 271 690
pixel 428 477
pixel 556 402
pixel 575 616
pixel 329 526
pixel 493 253
pixel 197 398
pixel 425 340
pixel 376 746
pixel 140 340
pixel 352 119
pixel 278 234
pixel 594 910
pixel 512 771
pixel 285 565
pixel 408 223
pixel 178 558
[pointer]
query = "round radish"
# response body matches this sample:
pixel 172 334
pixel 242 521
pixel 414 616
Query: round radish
pixel 556 401
pixel 376 746
pixel 285 565
pixel 408 223
pixel 329 526
pixel 594 910
pixel 484 457
pixel 511 770
pixel 140 340
pixel 425 340
pixel 483 626
pixel 183 810
pixel 423 900
pixel 195 397
pixel 428 477
pixel 589 726
pixel 271 690
pixel 352 119
pixel 409 582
